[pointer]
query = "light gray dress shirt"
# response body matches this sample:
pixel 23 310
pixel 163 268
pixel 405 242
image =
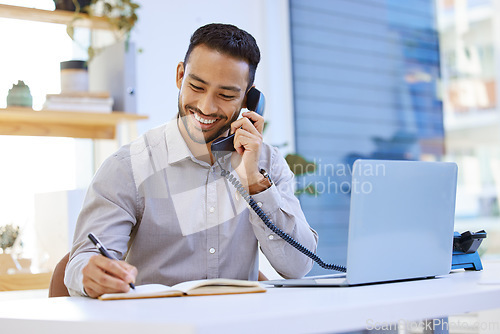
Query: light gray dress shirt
pixel 176 219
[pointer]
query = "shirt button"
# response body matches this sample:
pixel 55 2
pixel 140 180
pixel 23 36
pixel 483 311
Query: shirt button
pixel 271 237
pixel 259 204
pixel 212 250
pixel 212 209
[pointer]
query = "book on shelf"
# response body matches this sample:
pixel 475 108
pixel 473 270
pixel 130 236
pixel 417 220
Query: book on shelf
pixel 216 286
pixel 80 101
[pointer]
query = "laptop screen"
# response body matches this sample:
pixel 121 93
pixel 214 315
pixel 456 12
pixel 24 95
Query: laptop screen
pixel 401 220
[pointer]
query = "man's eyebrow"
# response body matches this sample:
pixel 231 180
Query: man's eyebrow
pixel 231 88
pixel 197 78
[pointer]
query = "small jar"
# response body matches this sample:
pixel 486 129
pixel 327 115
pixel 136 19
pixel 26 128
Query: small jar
pixel 74 76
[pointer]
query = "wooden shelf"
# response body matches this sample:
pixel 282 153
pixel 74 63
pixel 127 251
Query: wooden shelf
pixel 25 281
pixel 20 121
pixel 54 16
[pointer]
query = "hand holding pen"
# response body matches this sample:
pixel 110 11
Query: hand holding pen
pixel 103 276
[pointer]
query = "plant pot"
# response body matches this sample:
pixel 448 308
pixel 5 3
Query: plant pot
pixel 70 6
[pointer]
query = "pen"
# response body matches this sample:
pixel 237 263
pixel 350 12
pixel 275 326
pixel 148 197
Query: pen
pixel 104 251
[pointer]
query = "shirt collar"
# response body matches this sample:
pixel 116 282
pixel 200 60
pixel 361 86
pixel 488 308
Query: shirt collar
pixel 177 147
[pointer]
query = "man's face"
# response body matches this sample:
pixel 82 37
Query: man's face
pixel 211 92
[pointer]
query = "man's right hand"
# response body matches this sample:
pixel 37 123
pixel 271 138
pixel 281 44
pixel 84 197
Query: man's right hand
pixel 102 275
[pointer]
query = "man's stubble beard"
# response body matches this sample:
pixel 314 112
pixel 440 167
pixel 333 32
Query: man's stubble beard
pixel 184 118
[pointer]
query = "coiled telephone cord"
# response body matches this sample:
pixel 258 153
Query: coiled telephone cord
pixel 255 207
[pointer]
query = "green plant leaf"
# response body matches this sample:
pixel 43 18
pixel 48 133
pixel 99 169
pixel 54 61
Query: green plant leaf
pixel 70 30
pixel 299 165
pixel 309 190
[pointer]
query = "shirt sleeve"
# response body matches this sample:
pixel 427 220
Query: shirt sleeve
pixel 283 208
pixel 109 211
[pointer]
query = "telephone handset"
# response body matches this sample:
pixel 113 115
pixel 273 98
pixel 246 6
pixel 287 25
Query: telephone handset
pixel 256 102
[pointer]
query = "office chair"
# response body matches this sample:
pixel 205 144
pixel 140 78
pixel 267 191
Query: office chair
pixel 57 287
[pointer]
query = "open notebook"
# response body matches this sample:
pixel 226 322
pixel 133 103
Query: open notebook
pixel 216 286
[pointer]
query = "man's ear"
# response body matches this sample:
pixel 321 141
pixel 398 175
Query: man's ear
pixel 244 105
pixel 180 74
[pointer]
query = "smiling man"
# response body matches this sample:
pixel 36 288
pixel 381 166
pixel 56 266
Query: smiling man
pixel 160 205
pixel 207 108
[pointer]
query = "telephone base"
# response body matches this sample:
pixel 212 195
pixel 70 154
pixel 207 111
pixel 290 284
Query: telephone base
pixel 461 260
pixel 465 247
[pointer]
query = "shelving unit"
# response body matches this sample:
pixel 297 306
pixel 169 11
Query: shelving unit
pixel 54 16
pixel 20 121
pixel 27 122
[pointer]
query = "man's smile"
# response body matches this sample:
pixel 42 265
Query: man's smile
pixel 203 122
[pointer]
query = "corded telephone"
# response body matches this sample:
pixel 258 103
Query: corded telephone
pixel 465 253
pixel 256 102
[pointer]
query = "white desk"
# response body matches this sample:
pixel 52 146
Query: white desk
pixel 280 310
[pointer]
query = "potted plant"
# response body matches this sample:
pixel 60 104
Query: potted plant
pixel 300 166
pixel 8 236
pixel 121 14
pixel 72 5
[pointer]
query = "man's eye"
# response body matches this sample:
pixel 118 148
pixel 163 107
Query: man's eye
pixel 227 97
pixel 195 87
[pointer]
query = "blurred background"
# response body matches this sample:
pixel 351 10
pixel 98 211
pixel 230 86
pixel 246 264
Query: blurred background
pixel 343 79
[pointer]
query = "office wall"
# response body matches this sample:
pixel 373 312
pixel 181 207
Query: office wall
pixel 365 76
pixel 163 32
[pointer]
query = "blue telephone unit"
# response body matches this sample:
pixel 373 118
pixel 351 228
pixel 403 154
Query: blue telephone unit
pixel 465 247
pixel 256 102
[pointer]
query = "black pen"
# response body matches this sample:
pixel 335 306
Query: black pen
pixel 104 251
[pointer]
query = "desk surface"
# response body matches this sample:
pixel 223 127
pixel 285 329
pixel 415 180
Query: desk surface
pixel 280 310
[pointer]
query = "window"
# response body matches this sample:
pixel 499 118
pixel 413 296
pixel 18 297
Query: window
pixel 32 52
pixel 365 83
pixel 469 90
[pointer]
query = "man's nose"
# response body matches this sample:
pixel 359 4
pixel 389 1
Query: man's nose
pixel 207 104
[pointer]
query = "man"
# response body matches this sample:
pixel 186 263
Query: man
pixel 160 203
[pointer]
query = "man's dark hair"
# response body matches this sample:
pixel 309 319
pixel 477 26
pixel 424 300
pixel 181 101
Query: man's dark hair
pixel 230 40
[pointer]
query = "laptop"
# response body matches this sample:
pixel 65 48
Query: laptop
pixel 400 224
